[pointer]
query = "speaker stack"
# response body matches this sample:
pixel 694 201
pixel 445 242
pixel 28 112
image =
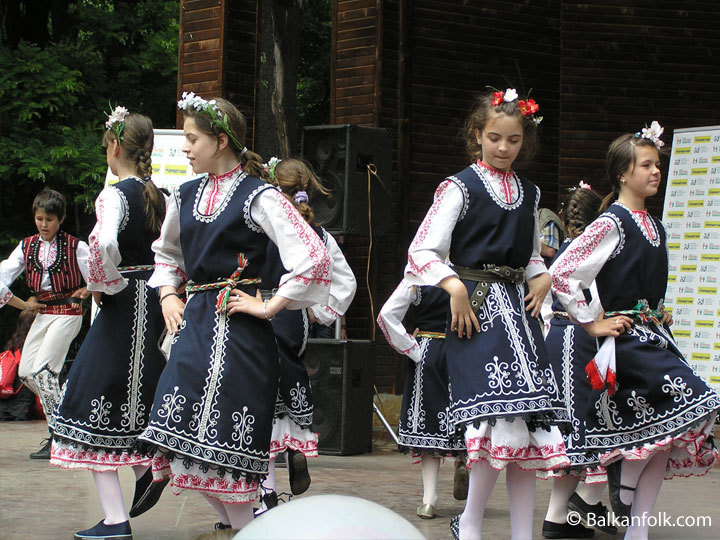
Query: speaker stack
pixel 340 155
pixel 341 376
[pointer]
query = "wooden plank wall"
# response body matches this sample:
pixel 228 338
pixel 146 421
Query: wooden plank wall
pixel 625 64
pixel 217 54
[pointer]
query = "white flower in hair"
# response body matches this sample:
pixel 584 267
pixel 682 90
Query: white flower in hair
pixel 118 115
pixel 510 95
pixel 653 133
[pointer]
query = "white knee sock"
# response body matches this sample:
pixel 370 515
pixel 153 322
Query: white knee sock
pixel 111 498
pixel 219 509
pixel 646 493
pixel 630 473
pixel 482 481
pixel 521 493
pixel 269 483
pixel 240 514
pixel 430 468
pixel 562 488
pixel 591 493
pixel 139 470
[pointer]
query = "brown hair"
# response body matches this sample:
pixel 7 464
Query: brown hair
pixel 137 141
pixel 51 202
pixel 581 208
pixel 620 158
pixel 250 161
pixel 484 112
pixel 22 328
pixel 293 175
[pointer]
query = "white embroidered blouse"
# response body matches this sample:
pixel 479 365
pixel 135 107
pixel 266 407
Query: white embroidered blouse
pixel 431 244
pixel 390 321
pixel 301 250
pixel 342 286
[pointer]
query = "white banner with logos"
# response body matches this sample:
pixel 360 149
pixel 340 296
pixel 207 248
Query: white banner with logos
pixel 169 163
pixel 691 216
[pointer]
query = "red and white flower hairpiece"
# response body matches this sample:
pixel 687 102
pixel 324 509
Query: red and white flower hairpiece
pixel 527 106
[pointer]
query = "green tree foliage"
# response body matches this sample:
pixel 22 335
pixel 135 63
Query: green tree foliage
pixel 56 86
pixel 313 84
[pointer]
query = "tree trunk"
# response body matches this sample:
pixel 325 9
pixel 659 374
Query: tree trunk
pixel 276 129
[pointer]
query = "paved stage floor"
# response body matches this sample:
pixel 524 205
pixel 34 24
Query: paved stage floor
pixel 39 502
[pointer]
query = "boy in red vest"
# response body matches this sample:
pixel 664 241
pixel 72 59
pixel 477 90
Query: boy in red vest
pixel 55 265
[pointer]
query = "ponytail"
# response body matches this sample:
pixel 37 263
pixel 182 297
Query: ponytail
pixel 253 165
pixel 154 207
pixel 294 175
pixel 608 200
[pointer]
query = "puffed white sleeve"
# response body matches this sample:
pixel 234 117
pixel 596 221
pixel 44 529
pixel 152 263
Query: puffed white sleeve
pixel 390 321
pixel 302 251
pixel 536 265
pixel 83 255
pixel 169 262
pixel 342 286
pixel 431 245
pixel 10 269
pixel 576 268
pixel 104 256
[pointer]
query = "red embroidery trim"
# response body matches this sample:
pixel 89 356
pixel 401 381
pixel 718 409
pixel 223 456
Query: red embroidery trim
pixel 572 258
pixel 424 227
pixel 96 272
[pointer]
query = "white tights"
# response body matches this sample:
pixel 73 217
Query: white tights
pixel 563 487
pixel 236 515
pixel 646 492
pixel 430 467
pixel 111 498
pixel 521 493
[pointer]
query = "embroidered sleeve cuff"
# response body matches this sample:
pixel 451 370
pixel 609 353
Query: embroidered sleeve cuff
pixel 166 274
pixel 583 313
pixel 431 273
pixel 415 354
pixel 534 268
pixel 325 315
pixel 5 297
pixel 108 287
pixel 303 292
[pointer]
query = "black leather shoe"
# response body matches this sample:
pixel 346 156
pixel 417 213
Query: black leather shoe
pixel 270 499
pixel 597 514
pixel 220 526
pixel 565 530
pixel 455 527
pixel 298 472
pixel 461 481
pixel 147 493
pixel 44 452
pixel 120 531
pixel 614 473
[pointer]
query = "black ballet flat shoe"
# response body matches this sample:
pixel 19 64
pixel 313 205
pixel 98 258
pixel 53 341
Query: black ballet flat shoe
pixel 119 531
pixel 220 526
pixel 44 452
pixel 565 530
pixel 298 472
pixel 147 493
pixel 271 501
pixel 455 527
pixel 461 481
pixel 597 513
pixel 614 473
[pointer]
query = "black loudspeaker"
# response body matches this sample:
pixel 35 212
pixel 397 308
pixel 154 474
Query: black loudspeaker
pixel 340 155
pixel 341 376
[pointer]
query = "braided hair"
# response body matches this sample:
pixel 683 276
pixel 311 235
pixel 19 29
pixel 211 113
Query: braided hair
pixel 581 208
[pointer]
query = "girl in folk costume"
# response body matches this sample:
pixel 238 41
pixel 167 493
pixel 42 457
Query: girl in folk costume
pixel 55 264
pixel 570 348
pixel 504 397
pixel 212 418
pixel 107 399
pixel 294 407
pixel 425 427
pixel 654 419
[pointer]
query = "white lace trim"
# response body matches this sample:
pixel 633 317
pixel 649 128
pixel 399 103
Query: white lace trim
pixel 125 208
pixel 228 185
pixel 489 178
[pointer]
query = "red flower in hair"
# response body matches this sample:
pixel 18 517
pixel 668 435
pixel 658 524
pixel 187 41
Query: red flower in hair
pixel 528 107
pixel 497 98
